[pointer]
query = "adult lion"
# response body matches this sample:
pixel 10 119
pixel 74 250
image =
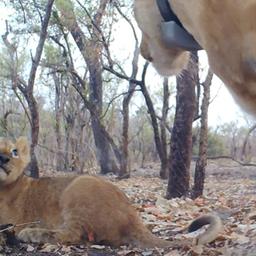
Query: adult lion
pixel 226 29
pixel 74 209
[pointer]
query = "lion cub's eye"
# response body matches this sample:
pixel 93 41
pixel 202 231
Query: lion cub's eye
pixel 14 153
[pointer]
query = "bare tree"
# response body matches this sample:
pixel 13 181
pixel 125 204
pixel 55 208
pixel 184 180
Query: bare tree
pixel 124 172
pixel 91 50
pixel 160 140
pixel 27 87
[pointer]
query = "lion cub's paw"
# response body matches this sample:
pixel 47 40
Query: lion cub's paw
pixel 36 235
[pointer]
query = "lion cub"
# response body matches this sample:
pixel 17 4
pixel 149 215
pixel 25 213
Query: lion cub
pixel 73 209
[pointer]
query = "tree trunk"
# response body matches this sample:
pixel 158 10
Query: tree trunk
pixel 67 143
pixel 181 139
pixel 32 104
pixel 124 172
pixel 104 153
pixel 33 108
pixel 58 115
pixel 244 158
pixel 202 157
pixel 164 160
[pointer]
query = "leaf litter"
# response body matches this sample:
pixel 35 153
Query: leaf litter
pixel 229 192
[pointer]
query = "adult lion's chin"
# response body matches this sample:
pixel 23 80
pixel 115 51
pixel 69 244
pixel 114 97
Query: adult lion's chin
pixel 169 67
pixel 165 71
pixel 167 61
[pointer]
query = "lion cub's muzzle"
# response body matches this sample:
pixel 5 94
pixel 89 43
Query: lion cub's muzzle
pixel 4 159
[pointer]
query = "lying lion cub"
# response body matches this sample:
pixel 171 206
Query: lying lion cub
pixel 74 210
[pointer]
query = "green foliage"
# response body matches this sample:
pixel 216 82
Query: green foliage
pixel 65 5
pixel 216 143
pixel 216 146
pixel 52 54
pixel 7 64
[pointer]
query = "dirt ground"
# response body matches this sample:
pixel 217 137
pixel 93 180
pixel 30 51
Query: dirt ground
pixel 229 192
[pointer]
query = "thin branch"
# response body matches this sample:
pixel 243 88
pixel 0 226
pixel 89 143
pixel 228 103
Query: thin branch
pixel 19 225
pixel 23 11
pixel 128 21
pixel 23 105
pixel 40 46
pixel 119 75
pixel 144 72
pixel 100 32
pixel 168 128
pixel 227 157
pixel 216 94
pixel 116 97
pixel 208 80
pixel 39 13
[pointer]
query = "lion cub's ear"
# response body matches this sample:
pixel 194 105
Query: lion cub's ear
pixel 23 148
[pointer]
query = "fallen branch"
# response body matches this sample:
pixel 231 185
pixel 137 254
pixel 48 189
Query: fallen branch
pixel 12 226
pixel 227 157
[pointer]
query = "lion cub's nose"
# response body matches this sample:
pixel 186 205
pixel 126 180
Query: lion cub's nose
pixel 4 159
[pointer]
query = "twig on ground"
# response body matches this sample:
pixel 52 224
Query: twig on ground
pixel 12 226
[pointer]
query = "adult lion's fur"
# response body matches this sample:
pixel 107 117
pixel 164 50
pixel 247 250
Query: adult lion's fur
pixel 226 29
pixel 74 209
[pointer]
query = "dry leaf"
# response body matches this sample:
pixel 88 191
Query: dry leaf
pixel 30 248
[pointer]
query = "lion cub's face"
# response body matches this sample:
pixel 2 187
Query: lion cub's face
pixel 14 157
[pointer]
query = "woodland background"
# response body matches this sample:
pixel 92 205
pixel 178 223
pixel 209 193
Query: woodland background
pixel 88 106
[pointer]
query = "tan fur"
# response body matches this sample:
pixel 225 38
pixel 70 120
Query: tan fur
pixel 226 29
pixel 73 209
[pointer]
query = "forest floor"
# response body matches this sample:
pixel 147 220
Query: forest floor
pixel 229 192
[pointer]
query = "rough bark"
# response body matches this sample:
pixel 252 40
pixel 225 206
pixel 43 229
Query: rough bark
pixel 164 159
pixel 203 142
pixel 181 139
pixel 104 151
pixel 124 170
pixel 68 127
pixel 34 114
pixel 57 127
